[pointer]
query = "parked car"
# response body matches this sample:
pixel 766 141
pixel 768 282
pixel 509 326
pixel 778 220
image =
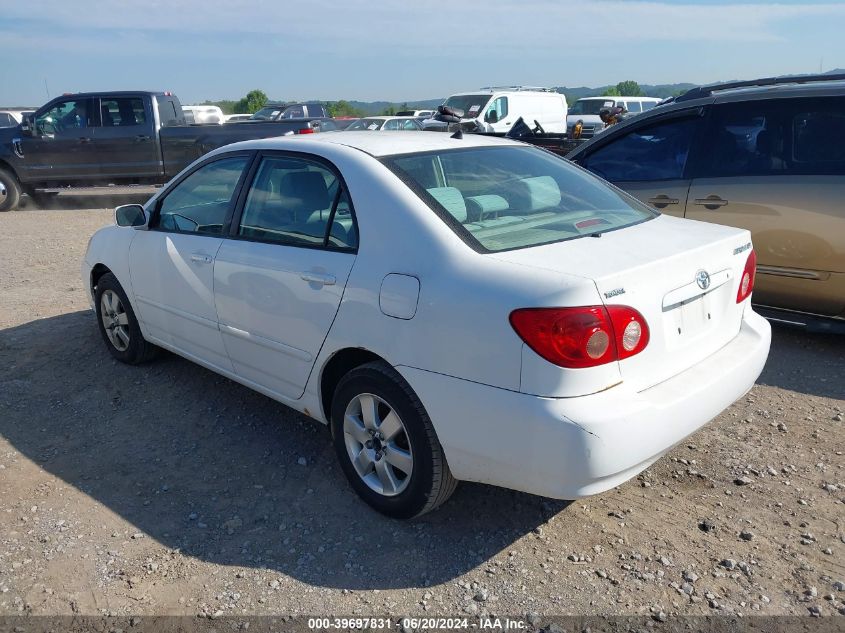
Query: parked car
pixel 203 114
pixel 87 140
pixel 586 110
pixel 767 156
pixel 456 309
pixel 417 114
pixel 11 118
pixel 388 123
pixel 496 109
pixel 277 112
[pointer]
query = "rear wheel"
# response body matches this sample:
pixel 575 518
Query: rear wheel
pixel 10 191
pixel 118 324
pixel 386 443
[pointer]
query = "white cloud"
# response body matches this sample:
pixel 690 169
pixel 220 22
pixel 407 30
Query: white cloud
pixel 449 29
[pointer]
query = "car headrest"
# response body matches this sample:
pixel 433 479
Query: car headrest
pixel 305 189
pixel 452 200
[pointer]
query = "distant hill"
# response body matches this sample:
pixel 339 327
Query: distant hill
pixel 661 91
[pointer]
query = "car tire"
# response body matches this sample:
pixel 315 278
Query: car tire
pixel 118 324
pixel 10 191
pixel 376 449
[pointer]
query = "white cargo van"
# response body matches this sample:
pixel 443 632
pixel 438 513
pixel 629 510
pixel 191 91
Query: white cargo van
pixel 496 109
pixel 587 111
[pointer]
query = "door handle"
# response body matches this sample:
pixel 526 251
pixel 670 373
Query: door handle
pixel 711 202
pixel 85 139
pixel 324 279
pixel 662 201
pixel 141 138
pixel 200 258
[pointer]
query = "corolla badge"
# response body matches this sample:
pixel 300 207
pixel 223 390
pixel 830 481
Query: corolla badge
pixel 702 279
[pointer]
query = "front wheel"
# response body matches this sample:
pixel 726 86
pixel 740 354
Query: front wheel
pixel 10 191
pixel 386 443
pixel 118 324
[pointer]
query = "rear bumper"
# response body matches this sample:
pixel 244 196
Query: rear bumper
pixel 573 447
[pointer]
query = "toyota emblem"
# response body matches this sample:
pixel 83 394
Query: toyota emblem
pixel 702 279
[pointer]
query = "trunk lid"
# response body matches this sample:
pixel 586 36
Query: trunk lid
pixel 653 268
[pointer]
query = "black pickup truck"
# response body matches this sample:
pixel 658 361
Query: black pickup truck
pixel 87 140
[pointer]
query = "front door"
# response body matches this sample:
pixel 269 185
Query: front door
pixel 62 146
pixel 172 263
pixel 279 280
pixel 777 168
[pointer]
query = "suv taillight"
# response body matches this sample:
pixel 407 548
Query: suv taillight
pixel 746 282
pixel 305 130
pixel 585 336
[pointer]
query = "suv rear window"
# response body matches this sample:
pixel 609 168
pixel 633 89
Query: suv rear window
pixel 504 198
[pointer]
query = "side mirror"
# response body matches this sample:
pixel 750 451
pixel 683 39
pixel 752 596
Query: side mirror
pixel 130 215
pixel 26 125
pixel 492 117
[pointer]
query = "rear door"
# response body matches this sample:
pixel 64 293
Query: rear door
pixel 172 263
pixel 125 140
pixel 777 168
pixel 279 279
pixel 650 161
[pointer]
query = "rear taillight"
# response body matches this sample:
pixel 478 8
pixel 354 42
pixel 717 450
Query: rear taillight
pixel 585 336
pixel 746 282
pixel 305 130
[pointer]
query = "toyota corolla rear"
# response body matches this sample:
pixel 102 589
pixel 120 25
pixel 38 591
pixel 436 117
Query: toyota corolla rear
pixel 658 339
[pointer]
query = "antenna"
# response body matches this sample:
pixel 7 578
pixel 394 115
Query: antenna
pixel 46 89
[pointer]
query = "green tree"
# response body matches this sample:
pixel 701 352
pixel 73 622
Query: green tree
pixel 343 108
pixel 629 88
pixel 611 91
pixel 251 103
pixel 389 111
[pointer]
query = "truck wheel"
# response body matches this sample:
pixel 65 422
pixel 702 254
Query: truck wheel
pixel 10 191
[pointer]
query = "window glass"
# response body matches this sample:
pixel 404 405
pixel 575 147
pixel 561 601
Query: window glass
pixel 472 105
pixel 590 106
pixel 167 112
pixel 818 135
pixel 6 120
pixel 295 201
pixel 648 105
pixel 199 203
pixel 410 124
pixel 122 112
pixel 503 198
pixel 634 106
pixel 500 107
pixel 392 124
pixel 655 152
pixel 65 117
pixel 743 138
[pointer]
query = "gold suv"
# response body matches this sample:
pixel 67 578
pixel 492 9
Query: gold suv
pixel 765 155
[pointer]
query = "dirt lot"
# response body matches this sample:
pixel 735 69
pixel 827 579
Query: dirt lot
pixel 165 489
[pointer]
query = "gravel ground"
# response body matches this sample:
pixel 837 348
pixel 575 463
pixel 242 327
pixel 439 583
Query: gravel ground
pixel 166 489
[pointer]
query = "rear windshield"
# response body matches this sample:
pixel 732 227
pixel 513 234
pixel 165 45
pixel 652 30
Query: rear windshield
pixel 505 198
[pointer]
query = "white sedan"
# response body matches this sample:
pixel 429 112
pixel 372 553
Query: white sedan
pixel 455 308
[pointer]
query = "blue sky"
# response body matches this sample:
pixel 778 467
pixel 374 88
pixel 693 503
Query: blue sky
pixel 357 49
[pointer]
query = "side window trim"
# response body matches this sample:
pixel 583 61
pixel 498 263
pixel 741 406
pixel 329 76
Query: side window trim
pixel 239 187
pixel 700 112
pixel 246 184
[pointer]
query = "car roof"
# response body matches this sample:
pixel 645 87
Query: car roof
pixel 378 143
pixel 829 88
pixel 602 98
